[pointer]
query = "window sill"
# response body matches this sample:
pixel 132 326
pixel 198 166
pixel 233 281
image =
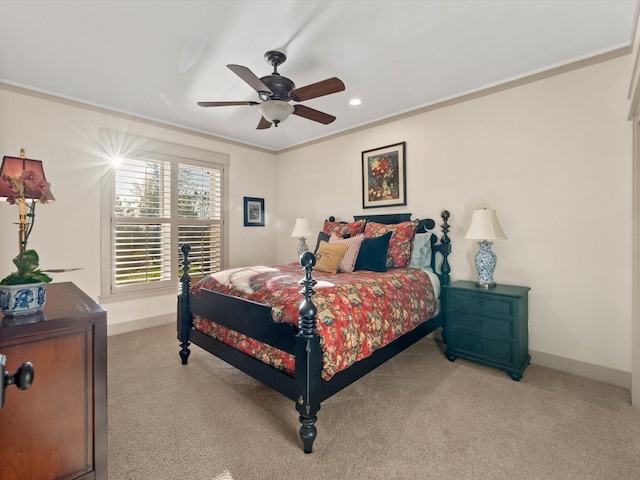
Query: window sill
pixel 128 296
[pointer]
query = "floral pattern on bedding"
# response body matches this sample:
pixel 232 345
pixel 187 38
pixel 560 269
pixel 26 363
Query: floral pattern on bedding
pixel 358 312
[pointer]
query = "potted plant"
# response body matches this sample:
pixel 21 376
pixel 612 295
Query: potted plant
pixel 23 292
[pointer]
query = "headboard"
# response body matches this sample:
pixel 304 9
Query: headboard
pixel 425 225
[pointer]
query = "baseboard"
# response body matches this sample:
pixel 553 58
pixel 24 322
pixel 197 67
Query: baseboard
pixel 582 369
pixel 125 327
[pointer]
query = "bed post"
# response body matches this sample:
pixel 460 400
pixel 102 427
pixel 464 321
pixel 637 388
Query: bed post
pixel 308 358
pixel 445 241
pixel 184 315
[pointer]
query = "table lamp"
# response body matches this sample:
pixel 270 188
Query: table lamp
pixel 12 167
pixel 485 227
pixel 302 231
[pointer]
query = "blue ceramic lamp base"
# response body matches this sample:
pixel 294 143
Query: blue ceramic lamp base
pixel 485 261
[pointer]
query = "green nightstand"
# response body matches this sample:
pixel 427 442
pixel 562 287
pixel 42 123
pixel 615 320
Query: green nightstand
pixel 489 326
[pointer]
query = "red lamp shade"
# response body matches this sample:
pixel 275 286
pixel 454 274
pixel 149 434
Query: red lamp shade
pixel 13 167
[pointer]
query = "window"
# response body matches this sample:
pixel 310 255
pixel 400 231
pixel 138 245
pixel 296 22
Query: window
pixel 159 202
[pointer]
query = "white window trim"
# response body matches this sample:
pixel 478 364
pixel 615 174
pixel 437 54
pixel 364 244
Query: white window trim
pixel 117 144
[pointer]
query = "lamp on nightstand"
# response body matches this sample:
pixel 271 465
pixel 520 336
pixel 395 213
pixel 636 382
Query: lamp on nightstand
pixel 485 227
pixel 302 231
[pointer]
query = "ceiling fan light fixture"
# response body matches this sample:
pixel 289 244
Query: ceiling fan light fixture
pixel 275 111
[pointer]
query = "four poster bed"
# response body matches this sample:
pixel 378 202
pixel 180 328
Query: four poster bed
pixel 353 315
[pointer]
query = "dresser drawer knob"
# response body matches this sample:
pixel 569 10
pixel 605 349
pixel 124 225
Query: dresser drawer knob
pixel 480 302
pixel 478 323
pixel 479 346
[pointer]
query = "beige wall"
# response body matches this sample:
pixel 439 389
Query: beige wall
pixel 67 232
pixel 553 158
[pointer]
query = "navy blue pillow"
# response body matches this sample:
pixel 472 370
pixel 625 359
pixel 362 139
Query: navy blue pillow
pixel 321 236
pixel 373 253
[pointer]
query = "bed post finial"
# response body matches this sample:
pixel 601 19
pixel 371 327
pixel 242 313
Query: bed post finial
pixel 445 269
pixel 185 278
pixel 308 358
pixel 184 319
pixel 307 320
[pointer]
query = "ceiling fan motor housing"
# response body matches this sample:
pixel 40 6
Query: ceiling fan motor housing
pixel 280 87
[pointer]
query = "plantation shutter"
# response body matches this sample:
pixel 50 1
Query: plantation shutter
pixel 142 230
pixel 200 217
pixel 158 206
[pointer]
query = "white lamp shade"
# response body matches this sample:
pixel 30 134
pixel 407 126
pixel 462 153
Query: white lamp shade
pixel 301 228
pixel 485 226
pixel 275 111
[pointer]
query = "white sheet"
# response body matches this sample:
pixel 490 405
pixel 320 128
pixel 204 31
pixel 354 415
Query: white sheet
pixel 435 281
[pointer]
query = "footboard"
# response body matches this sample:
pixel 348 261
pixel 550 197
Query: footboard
pixel 244 316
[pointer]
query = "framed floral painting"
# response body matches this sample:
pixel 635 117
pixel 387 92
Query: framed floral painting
pixel 383 176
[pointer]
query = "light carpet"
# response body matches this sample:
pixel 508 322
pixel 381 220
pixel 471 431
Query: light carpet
pixel 418 416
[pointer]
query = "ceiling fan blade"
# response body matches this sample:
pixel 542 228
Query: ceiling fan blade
pixel 225 104
pixel 248 76
pixel 263 124
pixel 312 114
pixel 319 89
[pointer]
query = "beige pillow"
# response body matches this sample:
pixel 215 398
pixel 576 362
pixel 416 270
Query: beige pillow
pixel 328 257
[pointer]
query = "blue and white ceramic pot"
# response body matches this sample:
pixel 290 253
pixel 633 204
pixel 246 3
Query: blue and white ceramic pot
pixel 22 299
pixel 485 264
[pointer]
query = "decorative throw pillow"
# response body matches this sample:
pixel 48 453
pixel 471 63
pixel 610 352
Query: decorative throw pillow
pixel 321 236
pixel 373 253
pixel 328 257
pixel 344 230
pixel 421 251
pixel 401 241
pixel 348 262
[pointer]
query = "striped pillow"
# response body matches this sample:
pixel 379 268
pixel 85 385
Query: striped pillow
pixel 348 262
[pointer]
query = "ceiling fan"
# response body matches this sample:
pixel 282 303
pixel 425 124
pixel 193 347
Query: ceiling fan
pixel 277 91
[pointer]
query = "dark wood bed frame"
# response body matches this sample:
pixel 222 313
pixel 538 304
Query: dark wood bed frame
pixel 306 389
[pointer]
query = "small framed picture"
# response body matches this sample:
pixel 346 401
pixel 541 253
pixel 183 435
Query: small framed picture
pixel 253 212
pixel 383 176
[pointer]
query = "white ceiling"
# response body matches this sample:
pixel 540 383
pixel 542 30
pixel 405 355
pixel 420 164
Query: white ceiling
pixel 156 59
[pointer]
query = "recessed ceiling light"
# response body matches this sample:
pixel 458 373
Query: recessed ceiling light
pixel 355 101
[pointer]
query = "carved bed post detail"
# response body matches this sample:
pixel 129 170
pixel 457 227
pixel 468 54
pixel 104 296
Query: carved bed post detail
pixel 185 317
pixel 445 241
pixel 308 358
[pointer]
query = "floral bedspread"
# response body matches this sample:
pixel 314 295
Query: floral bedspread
pixel 358 312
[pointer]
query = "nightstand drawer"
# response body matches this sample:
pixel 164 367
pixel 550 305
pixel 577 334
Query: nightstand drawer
pixel 482 347
pixel 464 302
pixel 493 327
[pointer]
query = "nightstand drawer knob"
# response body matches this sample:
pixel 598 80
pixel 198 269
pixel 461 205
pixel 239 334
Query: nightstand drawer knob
pixel 478 323
pixel 479 346
pixel 480 302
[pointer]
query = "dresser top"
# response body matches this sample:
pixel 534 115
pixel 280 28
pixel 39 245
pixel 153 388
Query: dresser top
pixel 66 305
pixel 507 290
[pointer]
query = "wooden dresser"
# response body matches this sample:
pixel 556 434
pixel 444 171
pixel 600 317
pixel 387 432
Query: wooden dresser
pixel 58 427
